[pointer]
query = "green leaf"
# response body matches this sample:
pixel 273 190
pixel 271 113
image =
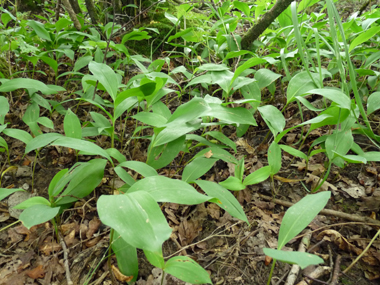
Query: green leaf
pixel 147 229
pixel 300 84
pixel 373 103
pixel 82 145
pixel 51 62
pixel 258 176
pixel 265 77
pixel 140 167
pixel 273 118
pixel 155 258
pixel 189 111
pixel 82 62
pixel 212 67
pixel 116 154
pixel 197 168
pixel 41 141
pixel 164 189
pixel 242 6
pixel 72 126
pixel 18 134
pixel 218 153
pixel 340 142
pixel 248 64
pixel 40 30
pixel 232 183
pixel 4 107
pixel 151 119
pixel 4 192
pixel 239 169
pixel 31 202
pixel 174 131
pixel 165 153
pixel 293 151
pixel 83 181
pixel 27 83
pixel 187 270
pixel 106 76
pixel 363 37
pixel 335 95
pixel 124 106
pixel 45 121
pixel 61 24
pixel 227 201
pixel 126 256
pixel 3 144
pixel 303 259
pixel 298 216
pixel 222 138
pixel 135 36
pixel 53 183
pixel 38 214
pixel 238 115
pixel 274 157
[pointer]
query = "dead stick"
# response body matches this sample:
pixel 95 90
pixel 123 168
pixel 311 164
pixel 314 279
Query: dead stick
pixel 66 258
pixel 334 279
pixel 327 212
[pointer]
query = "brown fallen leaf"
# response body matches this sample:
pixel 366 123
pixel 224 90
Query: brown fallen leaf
pixel 208 154
pixel 287 180
pixel 120 276
pixel 315 180
pixel 36 273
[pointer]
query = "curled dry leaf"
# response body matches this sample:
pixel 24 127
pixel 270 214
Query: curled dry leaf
pixel 120 276
pixel 36 273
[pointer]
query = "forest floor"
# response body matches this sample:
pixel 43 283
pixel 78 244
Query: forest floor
pixel 229 249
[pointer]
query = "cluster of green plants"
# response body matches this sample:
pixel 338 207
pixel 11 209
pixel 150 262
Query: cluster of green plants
pixel 317 41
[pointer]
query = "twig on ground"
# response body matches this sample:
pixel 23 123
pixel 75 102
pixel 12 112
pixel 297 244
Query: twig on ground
pixel 334 279
pixel 304 244
pixel 318 272
pixel 65 258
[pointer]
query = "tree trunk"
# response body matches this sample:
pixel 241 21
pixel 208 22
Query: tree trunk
pixel 74 4
pixel 91 10
pixel 264 23
pixel 72 14
pixel 58 8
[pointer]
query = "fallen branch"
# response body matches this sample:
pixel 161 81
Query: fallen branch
pixel 318 272
pixel 327 212
pixel 304 244
pixel 66 259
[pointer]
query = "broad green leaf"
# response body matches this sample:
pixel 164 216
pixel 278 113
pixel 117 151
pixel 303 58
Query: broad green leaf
pixel 72 126
pixel 217 152
pixel 298 216
pixel 303 259
pixel 124 106
pixel 335 95
pixel 155 258
pixel 126 256
pixel 363 37
pixel 140 167
pixel 212 67
pixel 265 77
pixel 147 229
pixel 373 103
pixel 242 6
pixel 151 119
pixel 222 138
pixel 197 168
pixel 116 154
pixel 46 122
pixel 18 134
pixel 61 24
pixel 164 189
pixel 258 176
pixel 371 155
pixel 164 154
pixel 51 62
pixel 239 169
pixel 82 145
pixel 4 192
pixel 106 76
pixel 174 131
pixel 232 183
pixel 38 214
pixel 84 181
pixel 300 84
pixel 273 118
pixel 82 62
pixel 40 30
pixel 124 175
pixel 187 270
pixel 3 143
pixel 351 158
pixel 293 151
pixel 238 115
pixel 4 107
pixel 227 201
pixel 20 83
pixel 334 115
pixel 54 181
pixel 32 114
pixel 248 64
pixel 189 111
pixel 274 157
pixel 41 141
pixel 135 36
pixel 31 202
pixel 340 142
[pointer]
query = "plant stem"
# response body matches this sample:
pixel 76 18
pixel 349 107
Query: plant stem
pixel 271 272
